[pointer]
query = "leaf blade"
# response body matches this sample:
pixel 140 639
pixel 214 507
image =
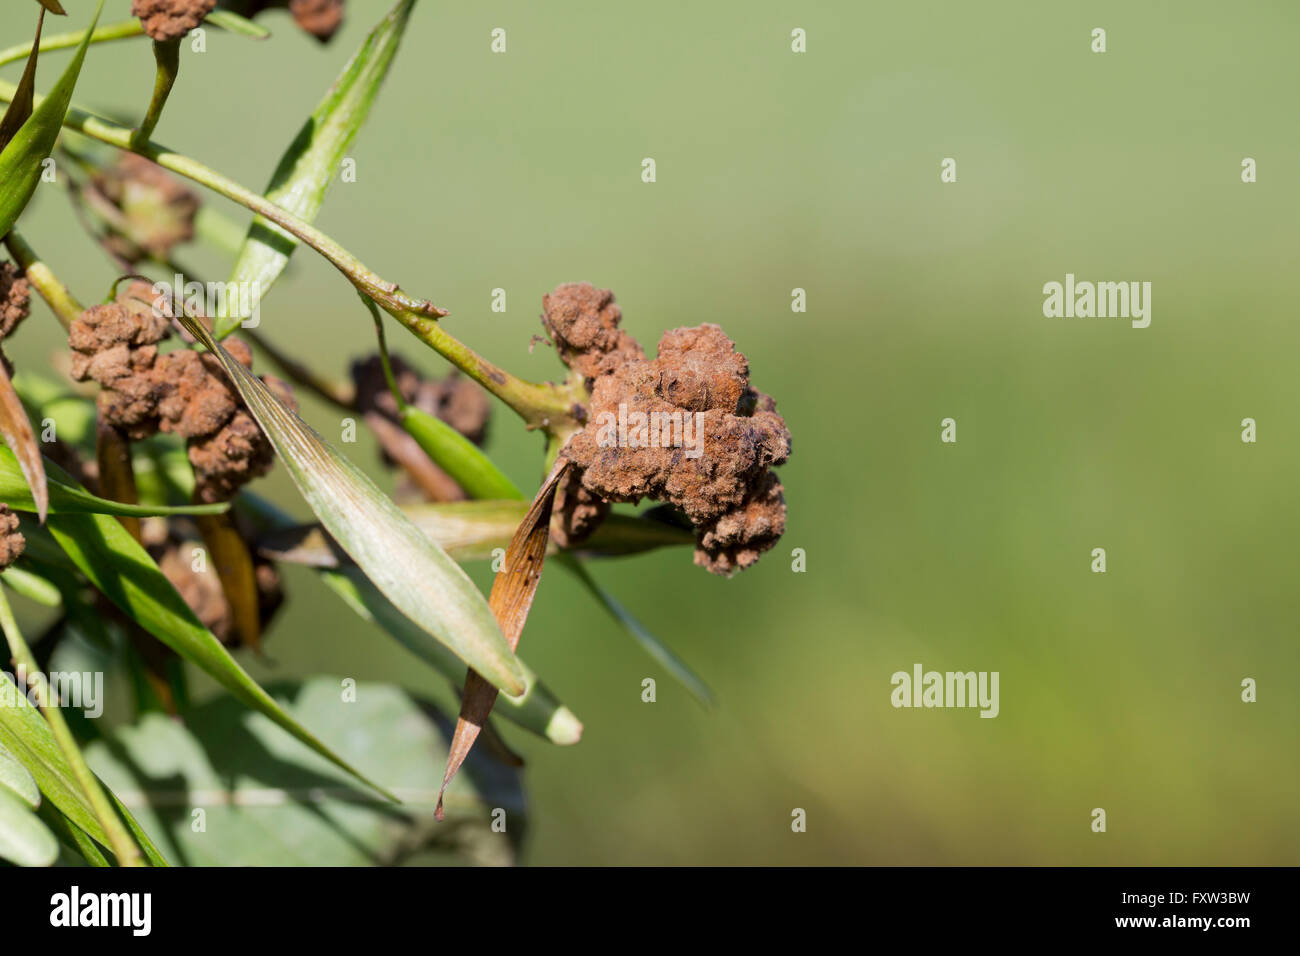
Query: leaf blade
pixel 410 569
pixel 304 174
pixel 122 570
pixel 233 23
pixel 67 497
pixel 537 710
pixel 24 839
pixel 24 733
pixel 458 456
pixel 656 648
pixel 18 780
pixel 20 160
pixel 513 591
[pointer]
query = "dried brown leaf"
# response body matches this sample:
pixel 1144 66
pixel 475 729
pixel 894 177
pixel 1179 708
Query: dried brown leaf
pixel 511 599
pixel 20 107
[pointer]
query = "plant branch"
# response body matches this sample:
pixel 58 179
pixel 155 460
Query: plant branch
pixel 167 55
pixel 66 41
pixel 56 295
pixel 540 405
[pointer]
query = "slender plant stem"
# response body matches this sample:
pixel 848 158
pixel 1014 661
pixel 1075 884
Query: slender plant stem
pixel 56 295
pixel 384 361
pixel 332 392
pixel 540 405
pixel 123 847
pixel 167 55
pixel 65 41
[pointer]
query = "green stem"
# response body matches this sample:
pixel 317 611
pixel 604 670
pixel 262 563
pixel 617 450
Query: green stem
pixel 119 840
pixel 167 55
pixel 540 405
pixel 391 379
pixel 332 392
pixel 65 41
pixel 56 295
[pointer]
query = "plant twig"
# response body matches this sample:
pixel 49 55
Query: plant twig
pixel 56 295
pixel 540 405
pixel 167 55
pixel 65 41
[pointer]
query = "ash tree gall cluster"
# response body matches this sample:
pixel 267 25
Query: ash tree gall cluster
pixel 165 20
pixel 182 392
pixel 729 493
pixel 15 304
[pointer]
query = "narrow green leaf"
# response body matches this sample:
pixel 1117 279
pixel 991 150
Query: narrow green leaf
pixel 619 534
pixel 649 643
pixel 537 710
pixel 16 778
pixel 151 852
pixel 24 839
pixel 32 586
pixel 457 456
pixel 234 23
pixel 314 157
pixel 411 571
pixel 473 531
pixel 72 836
pixel 26 735
pixel 20 161
pixel 124 572
pixel 67 497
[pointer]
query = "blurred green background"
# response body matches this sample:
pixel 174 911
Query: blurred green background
pixel 821 171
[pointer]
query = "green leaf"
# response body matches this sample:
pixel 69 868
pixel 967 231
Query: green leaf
pixel 411 571
pixel 269 803
pixel 32 586
pixel 458 456
pixel 537 710
pixel 24 839
pixel 15 778
pixel 26 735
pixel 234 23
pixel 151 852
pixel 72 836
pixel 67 497
pixel 20 161
pixel 649 643
pixel 313 158
pixel 619 534
pixel 473 531
pixel 123 572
